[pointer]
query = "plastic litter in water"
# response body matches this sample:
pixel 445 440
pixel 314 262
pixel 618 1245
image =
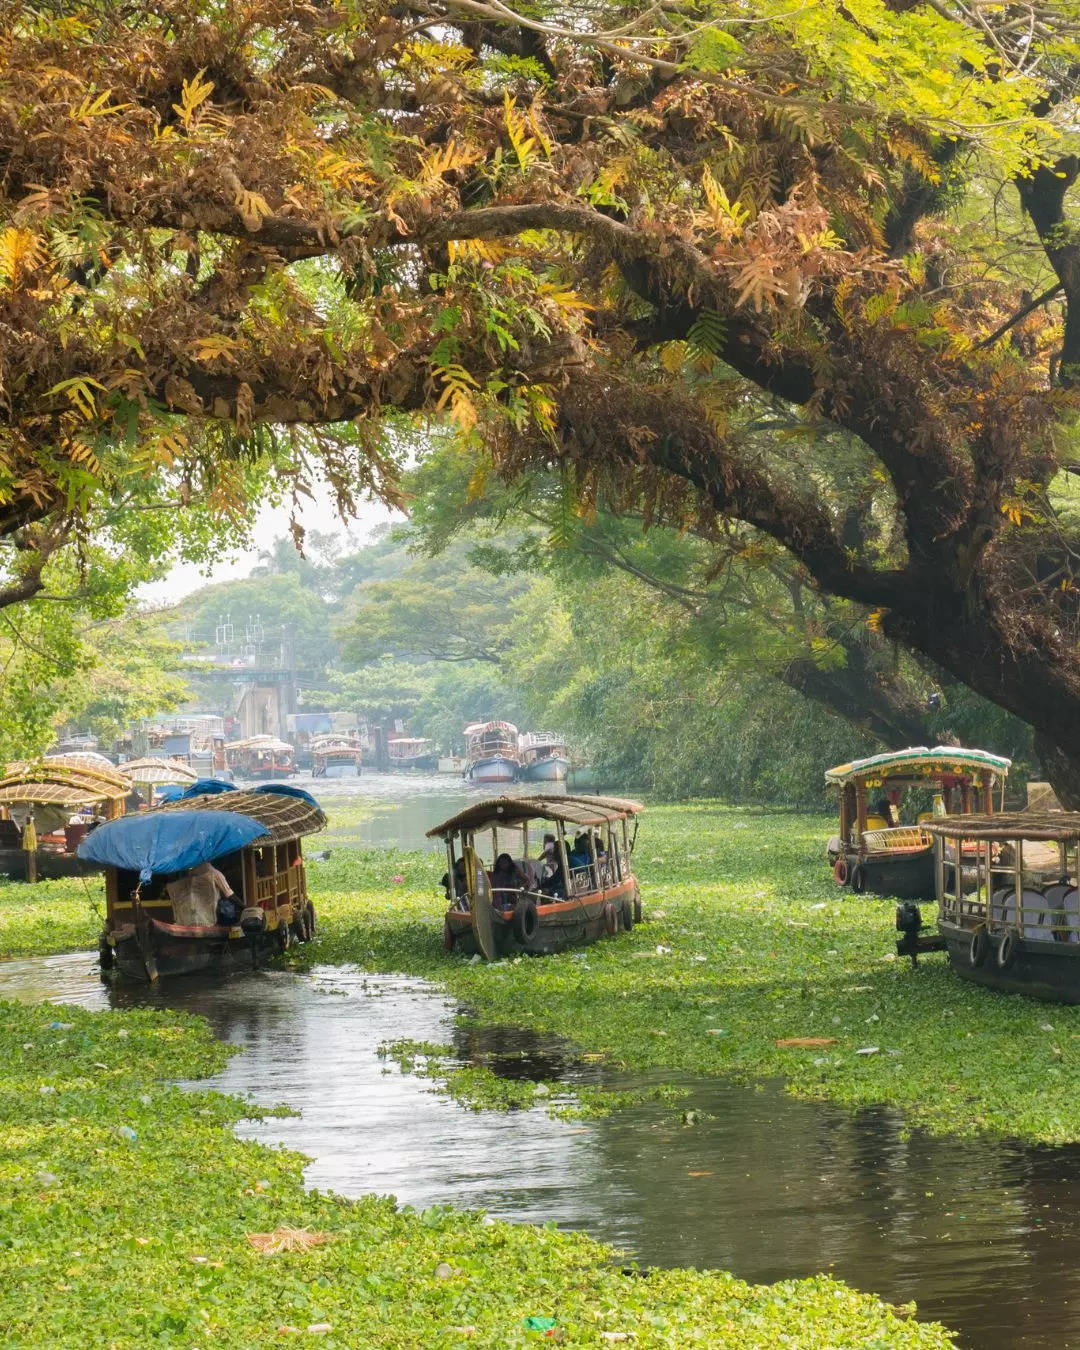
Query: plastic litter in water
pixel 535 1323
pixel 126 1132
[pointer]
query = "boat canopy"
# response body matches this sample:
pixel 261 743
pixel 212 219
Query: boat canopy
pixel 517 810
pixel 192 830
pixel 1055 826
pixel 166 841
pixel 50 783
pixel 261 742
pixel 918 762
pixel 151 771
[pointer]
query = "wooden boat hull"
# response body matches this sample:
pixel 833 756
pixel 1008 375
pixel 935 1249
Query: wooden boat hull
pixel 50 866
pixel 907 875
pixel 562 924
pixel 1049 971
pixel 553 769
pixel 494 769
pixel 184 949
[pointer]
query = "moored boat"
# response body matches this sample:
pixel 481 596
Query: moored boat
pixel 45 810
pixel 163 917
pixel 491 752
pixel 543 757
pixel 543 900
pixel 1011 918
pixel 412 752
pixel 260 757
pixel 874 850
pixel 335 757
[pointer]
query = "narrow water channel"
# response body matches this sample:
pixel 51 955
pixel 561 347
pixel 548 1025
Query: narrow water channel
pixel 983 1235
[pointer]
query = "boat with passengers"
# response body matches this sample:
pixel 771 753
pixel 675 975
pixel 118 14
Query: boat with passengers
pixel 1010 918
pixel 516 883
pixel 876 848
pixel 213 881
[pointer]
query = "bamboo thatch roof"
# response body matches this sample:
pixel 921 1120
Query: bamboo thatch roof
pixel 79 784
pixel 1056 826
pixel 151 772
pixel 285 816
pixel 515 810
pixel 82 759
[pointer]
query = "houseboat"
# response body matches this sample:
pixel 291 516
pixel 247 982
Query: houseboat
pixel 412 752
pixel 150 774
pixel 491 752
pixel 524 887
pixel 160 922
pixel 260 757
pixel 1010 919
pixel 46 809
pixel 335 757
pixel 876 850
pixel 543 757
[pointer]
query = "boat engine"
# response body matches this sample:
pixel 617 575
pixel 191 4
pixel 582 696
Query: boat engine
pixel 253 925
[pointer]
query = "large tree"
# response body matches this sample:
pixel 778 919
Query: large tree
pixel 597 235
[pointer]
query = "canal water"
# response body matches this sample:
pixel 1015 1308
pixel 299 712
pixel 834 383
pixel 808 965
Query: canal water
pixel 984 1236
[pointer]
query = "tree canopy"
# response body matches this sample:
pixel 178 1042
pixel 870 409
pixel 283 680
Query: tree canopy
pixel 806 267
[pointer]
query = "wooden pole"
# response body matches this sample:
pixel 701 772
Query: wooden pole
pixel 988 791
pixel 860 809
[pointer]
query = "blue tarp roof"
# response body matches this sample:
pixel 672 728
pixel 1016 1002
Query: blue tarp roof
pixel 287 790
pixel 206 787
pixel 169 841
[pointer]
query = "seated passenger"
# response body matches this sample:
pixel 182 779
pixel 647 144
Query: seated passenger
pixel 507 879
pixel 461 887
pixel 552 881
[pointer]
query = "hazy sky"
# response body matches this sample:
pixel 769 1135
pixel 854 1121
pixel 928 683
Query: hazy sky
pixel 318 514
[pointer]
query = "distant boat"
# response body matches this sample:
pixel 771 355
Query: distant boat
pixel 491 752
pixel 335 756
pixel 260 757
pixel 543 757
pixel 412 752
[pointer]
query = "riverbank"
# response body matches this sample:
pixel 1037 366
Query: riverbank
pixel 131 1214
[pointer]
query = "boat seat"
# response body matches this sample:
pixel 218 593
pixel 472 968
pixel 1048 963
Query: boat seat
pixel 1038 917
pixel 1003 907
pixel 532 867
pixel 896 837
pixel 1063 901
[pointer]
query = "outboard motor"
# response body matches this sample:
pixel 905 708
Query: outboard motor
pixel 908 922
pixel 253 925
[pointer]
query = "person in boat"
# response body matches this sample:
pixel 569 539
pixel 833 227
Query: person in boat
pixel 196 895
pixel 885 809
pixel 461 885
pixel 552 879
pixel 507 879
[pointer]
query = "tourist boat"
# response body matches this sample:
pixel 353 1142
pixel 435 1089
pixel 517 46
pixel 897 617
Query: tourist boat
pixel 152 772
pixel 335 757
pixel 260 757
pixel 601 896
pixel 253 838
pixel 873 851
pixel 491 752
pixel 543 757
pixel 1011 918
pixel 412 752
pixel 62 799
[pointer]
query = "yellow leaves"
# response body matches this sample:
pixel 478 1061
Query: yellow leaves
pixel 822 239
pixel 478 250
pixel 193 94
pixel 92 106
pixel 341 171
pixel 673 357
pixel 1016 510
pixel 728 218
pixel 873 620
pixel 80 453
pixel 567 299
pixel 458 385
pixel 212 347
pixel 253 208
pixel 21 252
pixel 80 394
pixel 454 154
pixel 518 126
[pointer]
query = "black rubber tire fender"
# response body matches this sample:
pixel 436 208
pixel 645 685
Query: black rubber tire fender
pixel 858 879
pixel 526 920
pixel 105 953
pixel 978 948
pixel 309 921
pixel 1006 952
pixel 283 936
pixel 611 919
pixel 639 913
pixel 626 914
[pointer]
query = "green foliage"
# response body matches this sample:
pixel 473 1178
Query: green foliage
pixel 126 1205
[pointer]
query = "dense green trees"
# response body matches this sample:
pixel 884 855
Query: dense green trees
pixel 704 261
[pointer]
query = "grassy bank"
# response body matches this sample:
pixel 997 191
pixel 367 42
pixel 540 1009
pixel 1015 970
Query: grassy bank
pixel 130 1215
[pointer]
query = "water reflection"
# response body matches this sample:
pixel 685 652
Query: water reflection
pixel 982 1235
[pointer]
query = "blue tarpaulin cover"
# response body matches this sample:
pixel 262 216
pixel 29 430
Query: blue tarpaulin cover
pixel 171 841
pixel 287 790
pixel 206 787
